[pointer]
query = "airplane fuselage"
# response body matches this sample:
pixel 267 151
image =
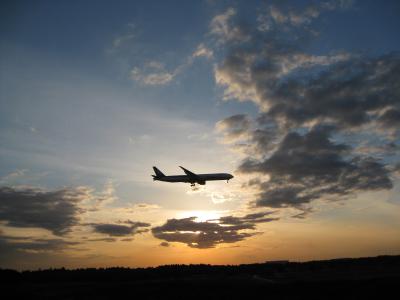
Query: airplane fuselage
pixel 201 178
pixel 190 177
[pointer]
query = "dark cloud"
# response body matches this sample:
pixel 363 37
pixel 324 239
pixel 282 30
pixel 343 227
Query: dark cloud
pixel 234 126
pixel 390 118
pixel 307 167
pixel 297 156
pixel 25 252
pixel 127 240
pixel 293 90
pixel 119 229
pixel 308 103
pixel 272 68
pixel 378 149
pixel 197 234
pixel 248 220
pixel 350 94
pixel 56 211
pixel 108 240
pixel 262 140
pixel 210 233
pixel 34 245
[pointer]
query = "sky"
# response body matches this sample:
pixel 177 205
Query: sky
pixel 299 100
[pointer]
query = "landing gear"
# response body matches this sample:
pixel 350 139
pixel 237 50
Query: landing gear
pixel 194 187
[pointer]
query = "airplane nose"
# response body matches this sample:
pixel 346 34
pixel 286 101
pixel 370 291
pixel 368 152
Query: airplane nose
pixel 230 176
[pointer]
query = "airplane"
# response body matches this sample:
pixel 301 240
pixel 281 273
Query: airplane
pixel 190 177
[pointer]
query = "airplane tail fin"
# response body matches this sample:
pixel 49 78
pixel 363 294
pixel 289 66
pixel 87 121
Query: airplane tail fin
pixel 158 172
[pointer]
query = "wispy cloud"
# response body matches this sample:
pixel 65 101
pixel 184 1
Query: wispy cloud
pixel 123 39
pixel 286 16
pixel 202 50
pixel 224 29
pixel 13 175
pixel 153 73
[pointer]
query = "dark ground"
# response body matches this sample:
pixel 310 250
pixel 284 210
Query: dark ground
pixel 362 278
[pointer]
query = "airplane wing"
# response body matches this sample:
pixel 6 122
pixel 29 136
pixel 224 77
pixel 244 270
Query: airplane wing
pixel 191 175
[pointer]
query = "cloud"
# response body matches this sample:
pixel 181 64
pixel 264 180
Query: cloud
pixel 314 110
pixel 203 51
pixel 155 73
pixel 123 39
pixel 303 214
pixel 223 28
pixel 56 211
pixel 287 16
pixel 378 149
pixel 260 217
pixel 164 244
pixel 145 206
pixel 108 240
pixel 234 127
pixel 390 118
pixel 126 240
pixel 152 76
pixel 310 166
pixel 34 245
pixel 350 94
pixel 218 197
pixel 295 89
pixel 209 234
pixel 107 195
pixel 118 229
pixel 26 252
pixel 14 174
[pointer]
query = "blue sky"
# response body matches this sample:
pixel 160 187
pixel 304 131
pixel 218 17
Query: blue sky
pixel 94 93
pixel 73 98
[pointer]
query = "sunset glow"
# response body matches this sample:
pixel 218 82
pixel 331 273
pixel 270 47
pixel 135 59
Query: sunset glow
pixel 298 100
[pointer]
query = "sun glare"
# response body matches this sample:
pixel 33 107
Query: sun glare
pixel 201 215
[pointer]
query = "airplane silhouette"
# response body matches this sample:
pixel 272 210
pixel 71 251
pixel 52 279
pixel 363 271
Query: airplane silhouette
pixel 190 177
